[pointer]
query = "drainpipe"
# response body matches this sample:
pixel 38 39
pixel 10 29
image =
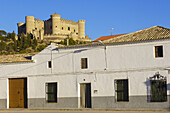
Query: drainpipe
pixel 105 54
pixel 105 58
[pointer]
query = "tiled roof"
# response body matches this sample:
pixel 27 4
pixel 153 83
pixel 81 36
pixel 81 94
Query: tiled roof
pixel 152 33
pixel 16 58
pixel 106 37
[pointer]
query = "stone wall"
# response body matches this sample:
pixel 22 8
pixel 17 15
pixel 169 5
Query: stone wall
pixel 54 29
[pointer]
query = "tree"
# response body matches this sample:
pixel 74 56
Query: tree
pixel 29 36
pixel 18 42
pixel 10 47
pixel 25 43
pixel 13 35
pixel 15 45
pixel 9 36
pixel 2 45
pixel 2 38
pixel 2 32
pixel 35 41
pixel 72 42
pixel 40 47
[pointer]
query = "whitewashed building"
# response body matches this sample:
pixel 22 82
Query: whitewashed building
pixel 130 71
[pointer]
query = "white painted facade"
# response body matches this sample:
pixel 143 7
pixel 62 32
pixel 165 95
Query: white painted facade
pixel 133 61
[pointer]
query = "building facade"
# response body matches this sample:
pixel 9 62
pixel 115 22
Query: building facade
pixel 54 29
pixel 123 74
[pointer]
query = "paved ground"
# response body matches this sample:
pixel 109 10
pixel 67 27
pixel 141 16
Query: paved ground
pixel 89 112
pixel 82 111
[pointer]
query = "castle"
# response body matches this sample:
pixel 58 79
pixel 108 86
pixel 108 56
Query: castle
pixel 54 29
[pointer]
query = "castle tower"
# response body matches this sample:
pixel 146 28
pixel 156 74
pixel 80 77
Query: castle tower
pixel 20 27
pixel 29 24
pixel 56 26
pixel 81 29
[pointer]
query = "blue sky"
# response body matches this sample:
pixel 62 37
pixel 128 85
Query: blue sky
pixel 124 16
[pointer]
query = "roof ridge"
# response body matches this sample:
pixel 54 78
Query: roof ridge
pixel 144 34
pixel 138 32
pixel 163 27
pixel 116 34
pixel 102 38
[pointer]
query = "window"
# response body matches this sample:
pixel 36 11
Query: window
pixel 49 64
pixel 69 28
pixel 51 92
pixel 56 26
pixel 74 30
pixel 122 93
pixel 158 51
pixel 62 28
pixel 158 90
pixel 84 63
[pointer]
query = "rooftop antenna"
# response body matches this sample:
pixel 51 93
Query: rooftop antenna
pixel 111 31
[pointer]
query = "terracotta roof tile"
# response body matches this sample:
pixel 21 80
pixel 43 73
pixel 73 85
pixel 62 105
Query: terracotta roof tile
pixel 106 37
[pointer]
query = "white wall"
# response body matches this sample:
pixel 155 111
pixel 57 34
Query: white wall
pixel 137 56
pixel 68 85
pixel 133 61
pixel 3 86
pixel 119 58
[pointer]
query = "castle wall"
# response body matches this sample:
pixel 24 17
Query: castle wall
pixel 63 29
pixel 39 28
pixel 21 28
pixel 62 26
pixel 54 29
pixel 68 27
pixel 48 27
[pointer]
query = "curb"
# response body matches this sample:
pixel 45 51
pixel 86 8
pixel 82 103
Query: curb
pixel 78 109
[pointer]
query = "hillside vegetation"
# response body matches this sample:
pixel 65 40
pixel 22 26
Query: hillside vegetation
pixel 23 44
pixel 10 43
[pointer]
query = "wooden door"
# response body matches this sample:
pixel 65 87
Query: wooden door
pixel 18 93
pixel 85 95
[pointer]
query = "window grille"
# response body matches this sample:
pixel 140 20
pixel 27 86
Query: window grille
pixel 51 92
pixel 122 93
pixel 158 88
